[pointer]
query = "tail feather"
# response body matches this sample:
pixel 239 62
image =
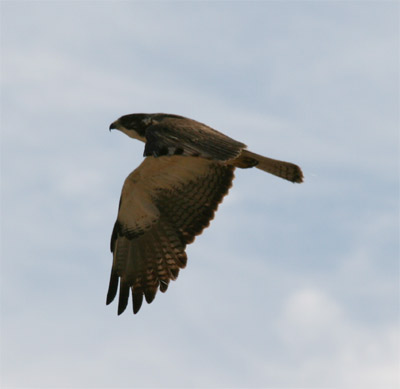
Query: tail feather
pixel 286 170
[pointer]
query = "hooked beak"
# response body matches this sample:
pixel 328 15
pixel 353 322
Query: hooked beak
pixel 113 126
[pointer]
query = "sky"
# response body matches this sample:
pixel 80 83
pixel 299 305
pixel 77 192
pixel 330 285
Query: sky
pixel 292 286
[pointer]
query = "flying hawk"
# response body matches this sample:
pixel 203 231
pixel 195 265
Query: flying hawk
pixel 171 197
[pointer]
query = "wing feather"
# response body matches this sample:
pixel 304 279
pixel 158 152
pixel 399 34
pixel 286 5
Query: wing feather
pixel 113 287
pixel 179 135
pixel 123 296
pixel 165 203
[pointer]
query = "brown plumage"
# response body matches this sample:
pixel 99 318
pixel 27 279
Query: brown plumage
pixel 171 197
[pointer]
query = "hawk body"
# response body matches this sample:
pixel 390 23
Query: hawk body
pixel 170 198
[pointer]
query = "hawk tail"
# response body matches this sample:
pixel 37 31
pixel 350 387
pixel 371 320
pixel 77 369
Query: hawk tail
pixel 286 170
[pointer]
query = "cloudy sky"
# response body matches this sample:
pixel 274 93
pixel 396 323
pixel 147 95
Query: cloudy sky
pixel 292 285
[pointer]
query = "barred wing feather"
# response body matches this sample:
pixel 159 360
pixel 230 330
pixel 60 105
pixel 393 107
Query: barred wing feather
pixel 165 203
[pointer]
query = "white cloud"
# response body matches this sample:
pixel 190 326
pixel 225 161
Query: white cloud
pixel 337 351
pixel 311 316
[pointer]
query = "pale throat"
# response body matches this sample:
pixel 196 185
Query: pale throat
pixel 132 134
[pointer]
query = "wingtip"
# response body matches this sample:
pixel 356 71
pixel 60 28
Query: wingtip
pixel 137 300
pixel 113 287
pixel 150 295
pixel 135 310
pixel 120 310
pixel 123 296
pixel 164 285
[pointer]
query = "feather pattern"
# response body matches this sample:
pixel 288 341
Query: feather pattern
pixel 165 204
pixel 184 136
pixel 171 197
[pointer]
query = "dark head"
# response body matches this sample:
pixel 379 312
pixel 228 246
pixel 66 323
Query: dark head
pixel 133 125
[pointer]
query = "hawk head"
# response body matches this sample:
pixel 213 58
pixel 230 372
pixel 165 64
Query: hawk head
pixel 135 124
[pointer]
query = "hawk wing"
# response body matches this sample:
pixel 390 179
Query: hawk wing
pixel 165 203
pixel 182 136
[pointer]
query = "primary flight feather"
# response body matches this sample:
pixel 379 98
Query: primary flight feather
pixel 171 197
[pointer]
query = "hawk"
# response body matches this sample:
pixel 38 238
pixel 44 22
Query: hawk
pixel 171 198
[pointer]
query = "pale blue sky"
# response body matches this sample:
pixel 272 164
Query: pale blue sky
pixel 292 285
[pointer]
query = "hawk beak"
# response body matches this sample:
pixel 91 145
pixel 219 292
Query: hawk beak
pixel 113 126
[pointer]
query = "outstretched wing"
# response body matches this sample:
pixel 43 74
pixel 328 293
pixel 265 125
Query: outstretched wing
pixel 182 136
pixel 165 203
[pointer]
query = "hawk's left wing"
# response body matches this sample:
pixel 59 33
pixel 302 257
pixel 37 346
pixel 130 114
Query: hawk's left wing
pixel 165 203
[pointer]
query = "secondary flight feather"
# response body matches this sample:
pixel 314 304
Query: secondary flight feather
pixel 171 197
